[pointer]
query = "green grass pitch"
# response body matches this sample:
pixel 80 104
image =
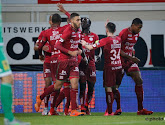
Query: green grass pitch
pixel 94 119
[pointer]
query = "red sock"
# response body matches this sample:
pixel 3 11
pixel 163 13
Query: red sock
pixel 74 98
pixel 109 100
pixel 139 94
pixel 67 98
pixel 88 98
pixel 48 91
pixel 60 98
pixel 117 98
pixel 54 96
pixel 46 99
pixel 82 98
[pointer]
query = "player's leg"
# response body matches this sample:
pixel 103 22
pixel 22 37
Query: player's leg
pixel 48 82
pixel 119 77
pixel 82 84
pixel 6 91
pixel 64 94
pixel 67 97
pixel 136 76
pixel 91 76
pixel 109 100
pixel 108 82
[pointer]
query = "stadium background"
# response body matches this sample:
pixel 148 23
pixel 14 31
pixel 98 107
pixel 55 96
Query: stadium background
pixel 21 17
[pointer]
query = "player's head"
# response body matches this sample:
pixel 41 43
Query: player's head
pixel 75 20
pixel 50 20
pixel 56 19
pixel 110 27
pixel 85 23
pixel 136 26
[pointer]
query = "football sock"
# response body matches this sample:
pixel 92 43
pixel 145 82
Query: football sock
pixel 82 93
pixel 46 99
pixel 74 98
pixel 6 100
pixel 117 98
pixel 109 100
pixel 89 93
pixel 54 96
pixel 48 91
pixel 139 94
pixel 60 98
pixel 67 97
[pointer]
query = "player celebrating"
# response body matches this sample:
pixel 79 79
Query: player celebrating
pixel 129 37
pixel 112 73
pixel 68 62
pixel 87 73
pixel 6 85
pixel 52 35
pixel 46 66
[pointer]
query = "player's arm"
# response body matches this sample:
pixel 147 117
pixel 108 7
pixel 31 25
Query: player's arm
pixel 61 9
pixel 132 58
pixel 36 45
pixel 98 43
pixel 98 50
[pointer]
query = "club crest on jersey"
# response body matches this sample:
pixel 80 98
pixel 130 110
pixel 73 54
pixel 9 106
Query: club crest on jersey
pixel 91 39
pixel 115 41
pixel 129 35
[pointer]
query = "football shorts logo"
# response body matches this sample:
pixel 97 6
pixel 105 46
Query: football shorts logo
pixel 47 70
pixel 93 74
pixel 76 69
pixel 82 73
pixel 63 73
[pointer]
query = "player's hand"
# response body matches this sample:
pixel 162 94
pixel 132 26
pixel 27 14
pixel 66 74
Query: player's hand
pixel 42 58
pixel 83 42
pixel 135 60
pixel 73 53
pixel 45 48
pixel 61 8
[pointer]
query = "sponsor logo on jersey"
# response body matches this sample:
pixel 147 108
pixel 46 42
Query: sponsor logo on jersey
pixel 130 39
pixel 61 77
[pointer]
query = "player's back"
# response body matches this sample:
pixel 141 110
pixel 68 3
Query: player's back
pixel 112 51
pixel 52 35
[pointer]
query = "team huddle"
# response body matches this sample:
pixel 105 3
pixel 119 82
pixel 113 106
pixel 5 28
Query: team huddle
pixel 69 62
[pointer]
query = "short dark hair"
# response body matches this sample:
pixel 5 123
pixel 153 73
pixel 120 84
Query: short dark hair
pixel 137 21
pixel 111 27
pixel 73 15
pixel 56 18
